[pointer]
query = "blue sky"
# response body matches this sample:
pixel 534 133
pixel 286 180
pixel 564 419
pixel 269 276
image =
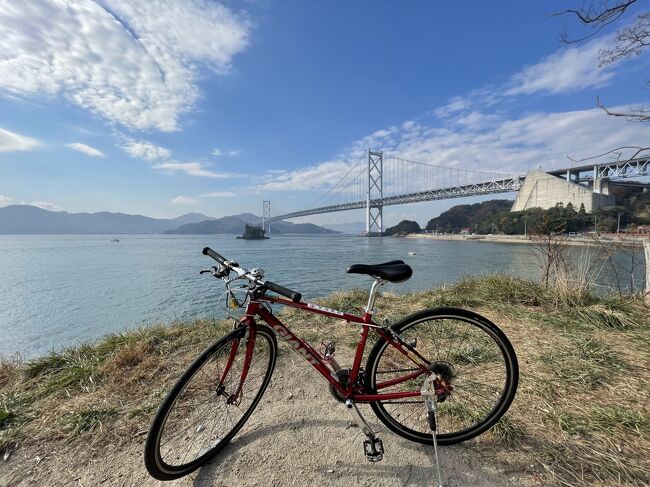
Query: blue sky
pixel 171 106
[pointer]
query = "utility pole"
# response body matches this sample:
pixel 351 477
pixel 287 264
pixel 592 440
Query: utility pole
pixel 618 223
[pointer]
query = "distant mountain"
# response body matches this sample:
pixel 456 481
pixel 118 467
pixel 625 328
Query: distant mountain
pixel 249 218
pixel 236 224
pixel 31 220
pixel 353 228
pixel 226 224
pixel 191 218
pixel 27 220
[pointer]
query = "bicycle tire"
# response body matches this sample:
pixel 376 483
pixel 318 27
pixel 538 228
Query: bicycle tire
pixel 450 408
pixel 156 465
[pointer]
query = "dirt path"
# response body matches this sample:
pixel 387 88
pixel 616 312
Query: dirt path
pixel 297 436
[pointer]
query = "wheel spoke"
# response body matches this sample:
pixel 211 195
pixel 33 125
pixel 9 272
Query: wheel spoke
pixel 466 353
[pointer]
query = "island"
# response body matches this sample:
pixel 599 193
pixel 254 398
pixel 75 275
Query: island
pixel 252 232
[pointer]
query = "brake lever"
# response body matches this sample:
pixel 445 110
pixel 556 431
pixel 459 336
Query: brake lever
pixel 205 271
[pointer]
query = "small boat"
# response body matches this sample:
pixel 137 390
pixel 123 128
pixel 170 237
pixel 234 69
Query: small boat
pixel 412 253
pixel 115 240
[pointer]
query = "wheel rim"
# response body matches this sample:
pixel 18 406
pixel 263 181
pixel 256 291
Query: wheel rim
pixel 201 419
pixel 463 352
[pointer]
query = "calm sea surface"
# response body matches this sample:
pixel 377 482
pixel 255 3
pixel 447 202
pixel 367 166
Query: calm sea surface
pixel 61 290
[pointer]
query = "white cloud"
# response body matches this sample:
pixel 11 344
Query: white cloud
pixel 455 105
pixel 131 62
pixel 498 144
pixel 520 143
pixel 569 69
pixel 141 149
pixel 231 153
pixel 191 169
pixel 85 149
pixel 46 205
pixel 5 200
pixel 183 200
pixel 10 141
pixel 320 176
pixel 219 194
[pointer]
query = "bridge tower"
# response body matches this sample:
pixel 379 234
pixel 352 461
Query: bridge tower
pixel 266 214
pixel 375 211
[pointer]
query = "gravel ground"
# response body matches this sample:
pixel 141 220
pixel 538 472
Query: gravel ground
pixel 299 435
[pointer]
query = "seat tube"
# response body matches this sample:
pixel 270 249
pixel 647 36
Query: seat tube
pixel 359 354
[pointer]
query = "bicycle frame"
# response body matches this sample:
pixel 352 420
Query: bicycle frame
pixel 312 356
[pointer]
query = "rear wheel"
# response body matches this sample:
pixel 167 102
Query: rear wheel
pixel 468 352
pixel 200 415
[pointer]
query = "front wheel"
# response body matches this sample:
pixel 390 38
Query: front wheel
pixel 202 412
pixel 466 351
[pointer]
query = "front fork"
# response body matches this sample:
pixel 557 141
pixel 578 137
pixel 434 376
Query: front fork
pixel 235 398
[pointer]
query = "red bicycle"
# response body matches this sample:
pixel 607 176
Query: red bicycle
pixel 438 376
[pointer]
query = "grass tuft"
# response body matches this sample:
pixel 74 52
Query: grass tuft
pixel 74 368
pixel 495 290
pixel 602 316
pixel 89 419
pixel 586 364
pixel 15 412
pixel 508 432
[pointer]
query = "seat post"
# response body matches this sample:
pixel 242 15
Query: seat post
pixel 370 307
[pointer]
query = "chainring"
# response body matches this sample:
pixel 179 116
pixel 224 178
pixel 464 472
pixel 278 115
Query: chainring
pixel 344 379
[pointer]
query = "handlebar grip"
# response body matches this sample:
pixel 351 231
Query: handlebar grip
pixel 287 293
pixel 216 256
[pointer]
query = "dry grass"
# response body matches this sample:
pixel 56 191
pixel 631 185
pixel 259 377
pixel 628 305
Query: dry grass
pixel 580 416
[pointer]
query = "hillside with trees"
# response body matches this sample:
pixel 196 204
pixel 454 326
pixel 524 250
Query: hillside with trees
pixel 403 228
pixel 477 217
pixel 494 216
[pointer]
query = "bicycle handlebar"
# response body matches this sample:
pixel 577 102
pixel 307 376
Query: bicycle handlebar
pixel 271 286
pixel 287 293
pixel 216 256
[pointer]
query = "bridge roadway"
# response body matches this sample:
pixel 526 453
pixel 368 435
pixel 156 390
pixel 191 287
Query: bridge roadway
pixel 631 168
pixel 507 185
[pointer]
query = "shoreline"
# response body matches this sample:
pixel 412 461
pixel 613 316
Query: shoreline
pixel 523 239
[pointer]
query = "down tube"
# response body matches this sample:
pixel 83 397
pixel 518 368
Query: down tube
pixel 299 345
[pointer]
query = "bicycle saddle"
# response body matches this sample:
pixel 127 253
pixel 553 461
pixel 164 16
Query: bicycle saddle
pixel 393 271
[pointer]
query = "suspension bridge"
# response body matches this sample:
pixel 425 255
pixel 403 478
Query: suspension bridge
pixel 383 180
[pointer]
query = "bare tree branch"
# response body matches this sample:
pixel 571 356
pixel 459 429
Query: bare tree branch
pixel 629 41
pixel 597 14
pixel 638 151
pixel 636 114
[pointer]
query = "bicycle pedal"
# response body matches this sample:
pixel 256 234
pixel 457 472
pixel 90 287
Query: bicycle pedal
pixel 374 450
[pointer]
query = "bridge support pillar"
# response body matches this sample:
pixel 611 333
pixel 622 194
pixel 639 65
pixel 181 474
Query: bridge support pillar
pixel 374 199
pixel 266 214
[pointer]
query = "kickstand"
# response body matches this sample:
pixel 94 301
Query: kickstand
pixel 428 391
